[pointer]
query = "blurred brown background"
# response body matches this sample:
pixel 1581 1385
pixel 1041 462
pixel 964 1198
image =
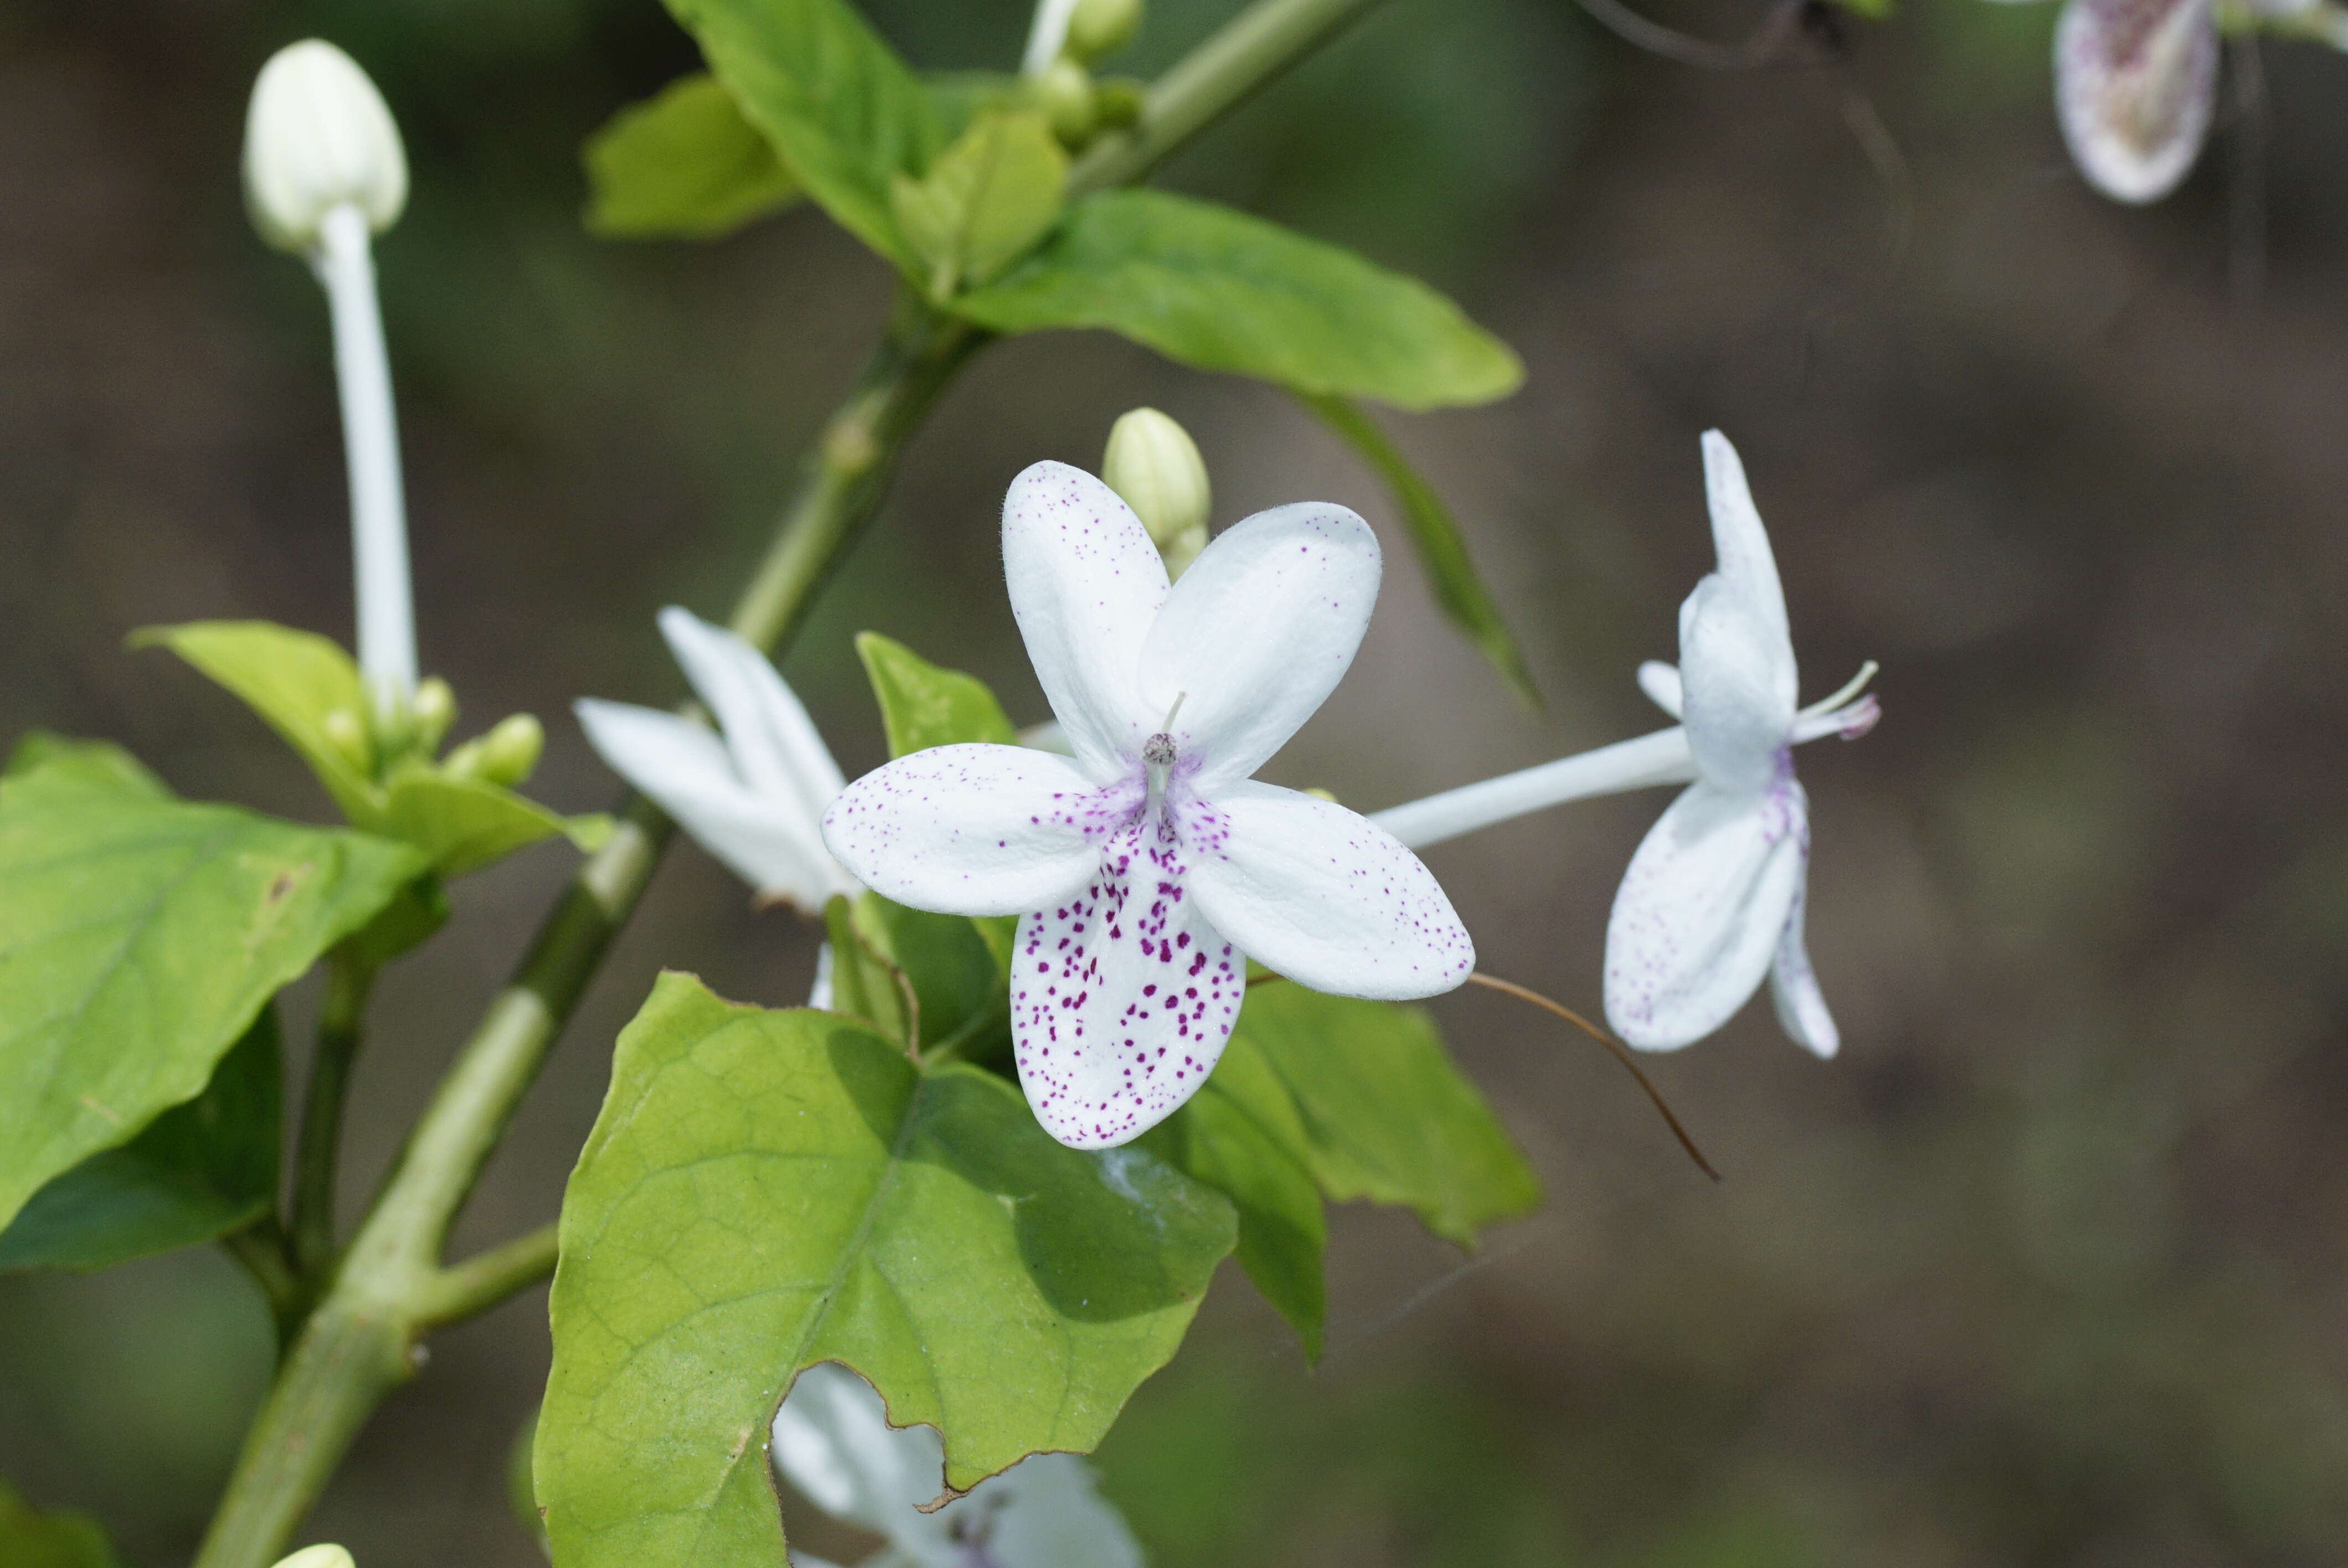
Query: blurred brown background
pixel 2046 1269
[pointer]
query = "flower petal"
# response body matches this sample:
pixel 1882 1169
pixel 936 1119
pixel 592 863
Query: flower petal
pixel 1121 996
pixel 1322 894
pixel 1742 547
pixel 1086 584
pixel 1047 1514
pixel 774 743
pixel 1258 632
pixel 688 773
pixel 975 829
pixel 832 1439
pixel 1738 715
pixel 1794 985
pixel 1701 910
pixel 2135 85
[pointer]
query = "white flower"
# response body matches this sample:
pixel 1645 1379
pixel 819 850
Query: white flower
pixel 326 1556
pixel 1145 867
pixel 318 136
pixel 754 799
pixel 2136 82
pixel 1713 896
pixel 1048 32
pixel 833 1440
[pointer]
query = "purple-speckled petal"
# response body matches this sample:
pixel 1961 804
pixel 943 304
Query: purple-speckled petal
pixel 1122 996
pixel 975 829
pixel 2136 84
pixel 1086 584
pixel 1322 894
pixel 1701 910
pixel 1258 632
pixel 1794 985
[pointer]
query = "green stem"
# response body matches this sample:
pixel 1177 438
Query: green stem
pixel 363 1338
pixel 263 1249
pixel 349 979
pixel 1249 50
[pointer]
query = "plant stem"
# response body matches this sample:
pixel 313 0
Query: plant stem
pixel 349 979
pixel 260 1248
pixel 1248 51
pixel 363 1339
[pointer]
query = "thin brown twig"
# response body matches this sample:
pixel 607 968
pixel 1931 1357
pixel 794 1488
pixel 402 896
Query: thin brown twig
pixel 1621 1054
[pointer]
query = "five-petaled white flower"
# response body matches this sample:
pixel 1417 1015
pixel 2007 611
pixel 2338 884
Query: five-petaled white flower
pixel 1713 897
pixel 1149 866
pixel 832 1439
pixel 754 799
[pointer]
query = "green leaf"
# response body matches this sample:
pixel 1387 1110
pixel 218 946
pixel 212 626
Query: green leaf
pixel 764 1191
pixel 138 938
pixel 924 705
pixel 199 1171
pixel 31 1539
pixel 1442 553
pixel 1387 1115
pixel 984 203
pixel 843 111
pixel 95 764
pixel 1217 289
pixel 683 164
pixel 958 97
pixel 293 680
pixel 467 824
pixel 961 983
pixel 1240 1135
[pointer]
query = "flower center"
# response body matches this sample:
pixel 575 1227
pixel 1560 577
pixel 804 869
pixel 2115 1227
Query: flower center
pixel 1157 755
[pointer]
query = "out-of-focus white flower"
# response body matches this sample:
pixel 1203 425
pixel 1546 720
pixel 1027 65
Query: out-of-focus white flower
pixel 323 1557
pixel 2136 85
pixel 318 136
pixel 1713 899
pixel 755 798
pixel 833 1442
pixel 1147 865
pixel 1047 34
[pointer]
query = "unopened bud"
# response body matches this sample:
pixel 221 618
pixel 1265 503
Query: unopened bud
pixel 510 751
pixel 1100 27
pixel 318 1557
pixel 318 136
pixel 347 733
pixel 1064 92
pixel 1153 463
pixel 433 709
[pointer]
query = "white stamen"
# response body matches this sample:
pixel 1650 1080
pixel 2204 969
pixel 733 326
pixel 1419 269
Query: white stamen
pixel 1851 688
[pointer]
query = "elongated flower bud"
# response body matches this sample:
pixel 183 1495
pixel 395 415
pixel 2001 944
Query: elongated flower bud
pixel 1155 467
pixel 318 136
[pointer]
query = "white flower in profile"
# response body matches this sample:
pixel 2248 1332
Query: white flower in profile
pixel 833 1442
pixel 2135 85
pixel 1149 865
pixel 754 798
pixel 1713 897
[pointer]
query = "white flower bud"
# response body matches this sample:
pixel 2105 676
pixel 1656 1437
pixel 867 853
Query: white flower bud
pixel 1100 27
pixel 318 136
pixel 318 1557
pixel 1155 467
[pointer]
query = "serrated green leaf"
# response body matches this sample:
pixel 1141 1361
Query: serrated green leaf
pixel 32 1539
pixel 985 201
pixel 467 824
pixel 924 705
pixel 764 1191
pixel 199 1171
pixel 1386 1114
pixel 293 680
pixel 843 112
pixel 95 764
pixel 1240 1135
pixel 138 938
pixel 1221 291
pixel 683 164
pixel 1442 553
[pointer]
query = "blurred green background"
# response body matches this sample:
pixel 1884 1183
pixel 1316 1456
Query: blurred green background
pixel 2046 1269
